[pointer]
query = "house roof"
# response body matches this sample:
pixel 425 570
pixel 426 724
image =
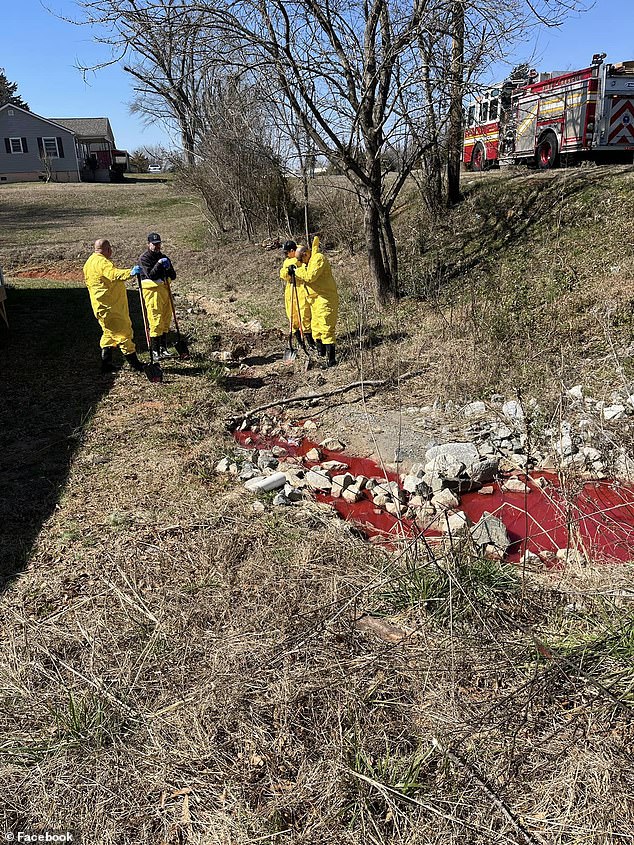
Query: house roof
pixel 88 127
pixel 39 117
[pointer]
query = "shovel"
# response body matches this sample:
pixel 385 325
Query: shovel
pixel 180 346
pixel 290 355
pixel 308 361
pixel 152 370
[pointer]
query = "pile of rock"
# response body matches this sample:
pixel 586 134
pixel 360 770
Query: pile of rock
pixel 428 495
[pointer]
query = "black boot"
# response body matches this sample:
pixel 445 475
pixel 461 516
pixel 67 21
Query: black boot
pixel 134 362
pixel 321 350
pixel 330 351
pixel 164 351
pixel 298 337
pixel 155 350
pixel 308 337
pixel 106 360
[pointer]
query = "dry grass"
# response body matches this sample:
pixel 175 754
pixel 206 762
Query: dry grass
pixel 178 669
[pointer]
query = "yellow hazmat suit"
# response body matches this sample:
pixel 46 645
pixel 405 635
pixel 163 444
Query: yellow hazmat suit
pixel 289 297
pixel 109 301
pixel 158 306
pixel 322 296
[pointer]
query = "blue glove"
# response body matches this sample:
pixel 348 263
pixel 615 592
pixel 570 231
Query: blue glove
pixel 165 262
pixel 135 271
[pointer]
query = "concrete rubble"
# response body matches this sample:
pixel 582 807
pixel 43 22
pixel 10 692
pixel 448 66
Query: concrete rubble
pixel 499 441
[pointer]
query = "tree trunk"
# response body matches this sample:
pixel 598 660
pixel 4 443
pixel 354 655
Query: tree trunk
pixel 381 247
pixel 454 135
pixel 188 144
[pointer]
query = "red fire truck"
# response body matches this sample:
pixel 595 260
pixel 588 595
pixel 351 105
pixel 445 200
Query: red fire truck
pixel 542 118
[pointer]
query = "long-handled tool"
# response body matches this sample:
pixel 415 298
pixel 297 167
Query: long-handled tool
pixel 290 354
pixel 152 370
pixel 180 346
pixel 307 363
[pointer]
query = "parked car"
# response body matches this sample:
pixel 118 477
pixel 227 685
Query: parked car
pixel 154 168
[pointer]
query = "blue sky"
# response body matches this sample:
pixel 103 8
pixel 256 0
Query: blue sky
pixel 39 52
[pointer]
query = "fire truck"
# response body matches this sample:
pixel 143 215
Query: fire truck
pixel 546 118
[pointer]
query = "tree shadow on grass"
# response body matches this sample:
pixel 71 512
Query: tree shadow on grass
pixel 50 385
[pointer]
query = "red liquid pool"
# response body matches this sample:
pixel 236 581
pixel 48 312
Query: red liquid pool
pixel 597 517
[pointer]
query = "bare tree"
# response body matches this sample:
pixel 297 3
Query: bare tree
pixel 375 85
pixel 158 44
pixel 238 172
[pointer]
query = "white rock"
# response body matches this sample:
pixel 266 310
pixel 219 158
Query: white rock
pixel 293 494
pixel 385 488
pixel 318 480
pixel 425 516
pixel 309 425
pixel 332 445
pixel 457 523
pixel 340 482
pixel 334 466
pixel 313 455
pixel 490 531
pixel 445 500
pixel 576 392
pixel 352 494
pixel 515 485
pixel 223 465
pixel 613 412
pixel 593 455
pixel 513 410
pixel 473 409
pixel 624 467
pixel 445 466
pixel 411 483
pixel 258 507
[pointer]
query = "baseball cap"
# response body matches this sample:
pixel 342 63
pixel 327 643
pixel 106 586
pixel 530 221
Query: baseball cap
pixel 289 246
pixel 154 238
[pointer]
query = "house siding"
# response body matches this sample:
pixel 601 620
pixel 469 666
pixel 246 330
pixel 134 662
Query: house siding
pixel 27 166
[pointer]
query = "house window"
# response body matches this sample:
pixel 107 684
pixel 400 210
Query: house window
pixel 50 147
pixel 16 145
pixel 10 112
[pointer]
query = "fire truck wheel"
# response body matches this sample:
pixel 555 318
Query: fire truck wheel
pixel 478 158
pixel 547 151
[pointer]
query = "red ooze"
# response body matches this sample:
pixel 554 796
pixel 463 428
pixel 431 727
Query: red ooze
pixel 597 517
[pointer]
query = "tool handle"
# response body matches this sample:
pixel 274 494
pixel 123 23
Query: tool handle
pixel 169 292
pixel 146 323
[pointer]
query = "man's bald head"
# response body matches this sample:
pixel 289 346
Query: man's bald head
pixel 102 246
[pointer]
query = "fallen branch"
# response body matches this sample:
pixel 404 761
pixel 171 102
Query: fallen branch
pixel 312 396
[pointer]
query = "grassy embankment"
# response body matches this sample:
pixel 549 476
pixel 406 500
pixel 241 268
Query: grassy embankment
pixel 177 668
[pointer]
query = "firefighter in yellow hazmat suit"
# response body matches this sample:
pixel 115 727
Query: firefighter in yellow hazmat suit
pixel 156 274
pixel 109 300
pixel 313 269
pixel 295 300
